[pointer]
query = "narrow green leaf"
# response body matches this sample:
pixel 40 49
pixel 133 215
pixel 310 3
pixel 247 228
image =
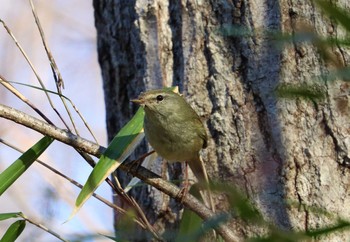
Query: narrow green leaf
pixel 4 216
pixel 17 168
pixel 120 148
pixel 231 30
pixel 239 204
pixel 14 231
pixel 277 235
pixel 190 227
pixel 191 223
pixel 338 74
pixel 193 228
pixel 297 37
pixel 340 225
pixel 339 14
pixel 311 92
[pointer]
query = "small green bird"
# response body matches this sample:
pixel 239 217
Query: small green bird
pixel 174 129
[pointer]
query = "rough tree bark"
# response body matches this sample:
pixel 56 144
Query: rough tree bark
pixel 275 150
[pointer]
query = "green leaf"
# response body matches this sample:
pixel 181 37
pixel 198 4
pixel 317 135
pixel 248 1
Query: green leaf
pixel 17 168
pixel 191 223
pixel 123 144
pixel 231 30
pixel 277 235
pixel 311 92
pixel 338 74
pixel 192 227
pixel 14 231
pixel 239 204
pixel 340 225
pixel 4 216
pixel 336 13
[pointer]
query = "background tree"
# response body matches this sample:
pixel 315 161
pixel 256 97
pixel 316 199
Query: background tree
pixel 275 150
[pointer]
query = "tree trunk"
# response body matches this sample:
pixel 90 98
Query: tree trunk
pixel 275 150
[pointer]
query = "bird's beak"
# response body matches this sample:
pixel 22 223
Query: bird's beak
pixel 139 101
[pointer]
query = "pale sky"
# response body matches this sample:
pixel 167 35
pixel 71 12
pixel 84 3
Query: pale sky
pixel 39 193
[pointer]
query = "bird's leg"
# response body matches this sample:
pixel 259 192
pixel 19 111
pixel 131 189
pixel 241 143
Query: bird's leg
pixel 136 163
pixel 183 192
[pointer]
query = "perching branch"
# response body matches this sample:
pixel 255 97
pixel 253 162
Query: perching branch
pixel 96 150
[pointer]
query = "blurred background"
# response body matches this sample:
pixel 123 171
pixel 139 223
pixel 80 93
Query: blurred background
pixel 39 193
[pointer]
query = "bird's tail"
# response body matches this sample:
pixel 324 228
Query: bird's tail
pixel 198 168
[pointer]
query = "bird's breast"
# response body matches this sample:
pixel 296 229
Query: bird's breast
pixel 172 139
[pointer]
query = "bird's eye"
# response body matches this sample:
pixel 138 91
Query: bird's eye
pixel 160 98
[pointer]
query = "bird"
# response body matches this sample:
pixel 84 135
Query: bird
pixel 174 129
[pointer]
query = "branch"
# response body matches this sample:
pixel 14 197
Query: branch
pixel 96 150
pixel 42 227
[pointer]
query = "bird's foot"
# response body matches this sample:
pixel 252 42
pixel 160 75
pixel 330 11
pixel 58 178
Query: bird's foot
pixel 137 163
pixel 183 192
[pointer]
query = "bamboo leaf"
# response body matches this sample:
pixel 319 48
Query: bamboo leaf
pixel 4 216
pixel 311 92
pixel 191 223
pixel 231 30
pixel 120 148
pixel 339 14
pixel 14 231
pixel 17 168
pixel 340 225
pixel 239 204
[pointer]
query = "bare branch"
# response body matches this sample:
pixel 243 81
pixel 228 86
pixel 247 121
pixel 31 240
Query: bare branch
pixel 55 70
pixel 43 227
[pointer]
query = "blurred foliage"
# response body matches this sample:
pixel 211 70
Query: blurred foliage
pixel 193 228
pixel 311 92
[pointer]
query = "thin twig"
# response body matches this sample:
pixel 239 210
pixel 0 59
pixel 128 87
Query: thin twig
pixel 33 69
pixel 138 209
pixel 2 79
pixel 56 72
pixel 84 121
pixel 12 89
pixel 26 57
pixel 43 227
